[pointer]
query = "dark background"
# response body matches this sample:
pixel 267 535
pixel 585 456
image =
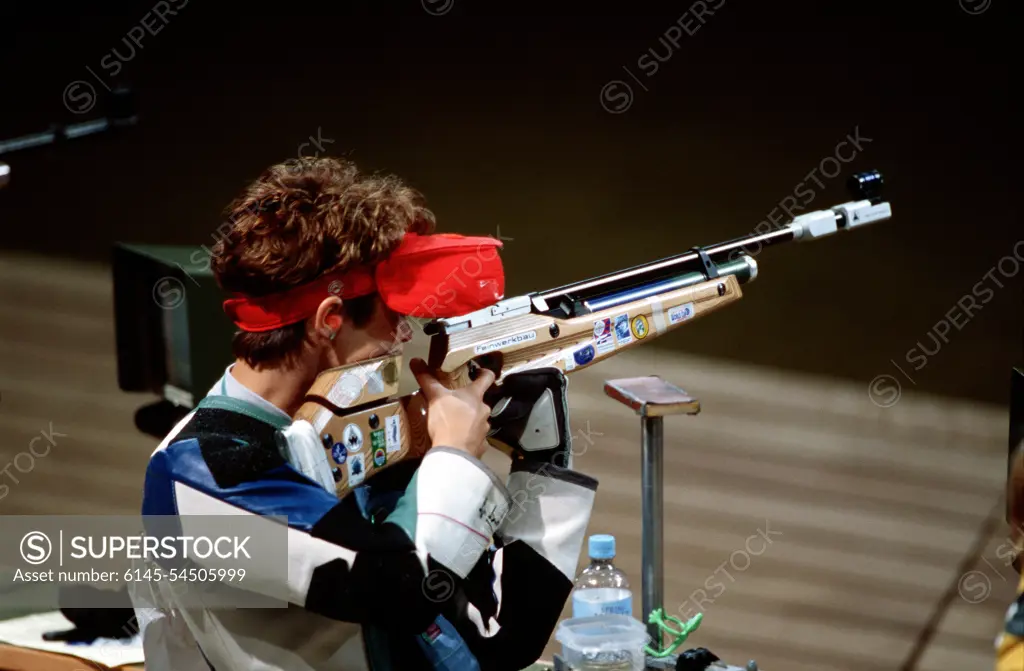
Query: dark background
pixel 494 111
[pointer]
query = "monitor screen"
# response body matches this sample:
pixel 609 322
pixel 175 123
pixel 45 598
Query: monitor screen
pixel 177 349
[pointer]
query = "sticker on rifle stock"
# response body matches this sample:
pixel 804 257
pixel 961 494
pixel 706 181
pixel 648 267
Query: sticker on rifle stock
pixel 320 419
pixel 502 343
pixel 377 440
pixel 658 317
pixel 640 327
pixel 339 454
pixel 680 313
pixel 356 470
pixel 352 437
pixel 380 457
pixel 622 334
pixel 584 355
pixel 393 425
pixel 603 336
pixel 390 372
pixel 346 390
pixel 375 382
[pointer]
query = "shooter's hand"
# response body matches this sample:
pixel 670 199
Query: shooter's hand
pixel 456 418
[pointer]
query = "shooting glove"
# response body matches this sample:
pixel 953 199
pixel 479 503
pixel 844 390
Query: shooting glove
pixel 530 414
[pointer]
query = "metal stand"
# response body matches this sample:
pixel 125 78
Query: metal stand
pixel 652 398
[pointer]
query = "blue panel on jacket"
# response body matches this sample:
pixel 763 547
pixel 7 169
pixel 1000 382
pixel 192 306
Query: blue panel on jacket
pixel 280 491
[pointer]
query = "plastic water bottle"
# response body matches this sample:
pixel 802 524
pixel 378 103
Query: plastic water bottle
pixel 602 589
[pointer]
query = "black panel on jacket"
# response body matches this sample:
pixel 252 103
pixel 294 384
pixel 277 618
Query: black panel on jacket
pixel 236 448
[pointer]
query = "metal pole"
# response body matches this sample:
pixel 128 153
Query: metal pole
pixel 652 433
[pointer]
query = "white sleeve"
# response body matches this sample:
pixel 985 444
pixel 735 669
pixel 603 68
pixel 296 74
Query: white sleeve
pixel 550 511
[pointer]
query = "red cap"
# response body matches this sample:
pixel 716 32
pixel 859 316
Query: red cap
pixel 431 276
pixel 442 275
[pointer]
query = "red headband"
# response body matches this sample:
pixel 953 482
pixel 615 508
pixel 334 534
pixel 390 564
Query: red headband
pixel 442 275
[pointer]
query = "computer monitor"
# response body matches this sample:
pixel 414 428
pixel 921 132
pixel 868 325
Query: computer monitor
pixel 173 338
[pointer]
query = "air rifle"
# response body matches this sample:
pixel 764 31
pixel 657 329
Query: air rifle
pixel 364 428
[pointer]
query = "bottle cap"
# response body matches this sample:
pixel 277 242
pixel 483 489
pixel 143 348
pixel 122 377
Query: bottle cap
pixel 602 546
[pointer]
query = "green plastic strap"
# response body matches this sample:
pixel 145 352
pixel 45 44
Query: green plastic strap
pixel 679 635
pixel 244 408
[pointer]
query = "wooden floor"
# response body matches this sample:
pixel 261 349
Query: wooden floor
pixel 887 543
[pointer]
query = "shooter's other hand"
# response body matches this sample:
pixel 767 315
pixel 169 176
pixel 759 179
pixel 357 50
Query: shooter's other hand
pixel 456 418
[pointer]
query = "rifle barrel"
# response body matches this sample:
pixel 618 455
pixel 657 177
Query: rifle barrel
pixel 744 268
pixel 671 264
pixel 733 257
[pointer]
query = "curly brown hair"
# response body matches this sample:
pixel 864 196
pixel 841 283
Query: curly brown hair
pixel 301 219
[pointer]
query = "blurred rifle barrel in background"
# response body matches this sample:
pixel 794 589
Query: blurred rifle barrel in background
pixel 120 114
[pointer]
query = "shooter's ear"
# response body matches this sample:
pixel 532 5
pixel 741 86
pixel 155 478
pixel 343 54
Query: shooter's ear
pixel 328 319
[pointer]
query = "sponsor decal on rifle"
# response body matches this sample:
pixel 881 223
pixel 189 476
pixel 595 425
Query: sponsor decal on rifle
pixel 584 355
pixel 680 313
pixel 390 371
pixel 658 316
pixel 568 362
pixel 393 424
pixel 339 453
pixel 501 343
pixel 320 419
pixel 380 457
pixel 346 390
pixel 356 469
pixel 377 439
pixel 622 334
pixel 352 437
pixel 375 382
pixel 640 327
pixel 603 336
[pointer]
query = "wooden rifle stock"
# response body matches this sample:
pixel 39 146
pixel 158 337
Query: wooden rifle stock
pixel 538 341
pixel 365 429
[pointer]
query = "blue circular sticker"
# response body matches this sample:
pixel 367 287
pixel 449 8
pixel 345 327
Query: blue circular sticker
pixel 339 453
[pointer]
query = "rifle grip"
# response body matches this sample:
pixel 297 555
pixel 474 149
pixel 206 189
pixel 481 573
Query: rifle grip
pixel 463 377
